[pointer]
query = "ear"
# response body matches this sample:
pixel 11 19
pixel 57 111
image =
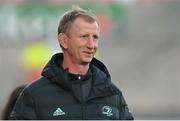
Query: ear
pixel 62 39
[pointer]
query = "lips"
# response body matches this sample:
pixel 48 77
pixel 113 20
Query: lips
pixel 88 52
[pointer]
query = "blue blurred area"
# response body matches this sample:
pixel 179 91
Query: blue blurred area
pixel 139 44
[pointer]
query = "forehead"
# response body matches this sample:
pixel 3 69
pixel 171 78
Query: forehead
pixel 80 24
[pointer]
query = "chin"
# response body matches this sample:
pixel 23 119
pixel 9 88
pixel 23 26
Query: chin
pixel 87 60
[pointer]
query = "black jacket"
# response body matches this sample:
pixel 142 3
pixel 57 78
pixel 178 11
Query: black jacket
pixel 61 95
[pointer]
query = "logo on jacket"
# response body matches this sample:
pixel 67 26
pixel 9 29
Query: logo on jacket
pixel 58 112
pixel 107 110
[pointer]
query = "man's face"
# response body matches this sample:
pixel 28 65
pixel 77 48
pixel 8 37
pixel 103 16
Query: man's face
pixel 82 41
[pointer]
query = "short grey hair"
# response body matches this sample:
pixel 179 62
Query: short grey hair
pixel 69 17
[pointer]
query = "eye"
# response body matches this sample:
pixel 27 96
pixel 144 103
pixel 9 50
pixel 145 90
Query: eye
pixel 96 37
pixel 85 36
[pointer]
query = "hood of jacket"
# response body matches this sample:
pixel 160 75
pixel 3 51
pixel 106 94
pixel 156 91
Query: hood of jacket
pixel 101 80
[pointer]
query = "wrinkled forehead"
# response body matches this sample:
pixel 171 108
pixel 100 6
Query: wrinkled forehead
pixel 84 19
pixel 82 25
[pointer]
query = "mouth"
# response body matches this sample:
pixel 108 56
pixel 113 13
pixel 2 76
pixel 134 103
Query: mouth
pixel 88 53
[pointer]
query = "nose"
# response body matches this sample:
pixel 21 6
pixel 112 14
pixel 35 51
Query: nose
pixel 91 43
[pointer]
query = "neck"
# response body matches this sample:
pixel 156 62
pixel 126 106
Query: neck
pixel 75 68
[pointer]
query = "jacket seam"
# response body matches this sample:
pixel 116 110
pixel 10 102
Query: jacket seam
pixel 33 102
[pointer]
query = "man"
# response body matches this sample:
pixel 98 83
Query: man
pixel 74 85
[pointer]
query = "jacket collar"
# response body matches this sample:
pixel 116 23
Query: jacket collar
pixel 101 80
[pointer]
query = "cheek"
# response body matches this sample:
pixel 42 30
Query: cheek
pixel 96 45
pixel 76 48
pixel 72 48
pixel 73 45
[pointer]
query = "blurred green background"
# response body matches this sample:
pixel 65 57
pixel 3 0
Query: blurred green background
pixel 139 43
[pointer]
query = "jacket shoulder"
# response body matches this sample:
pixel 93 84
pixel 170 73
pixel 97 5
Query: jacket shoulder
pixel 38 84
pixel 123 107
pixel 116 89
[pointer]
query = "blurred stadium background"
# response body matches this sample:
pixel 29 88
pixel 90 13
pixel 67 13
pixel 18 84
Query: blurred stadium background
pixel 139 44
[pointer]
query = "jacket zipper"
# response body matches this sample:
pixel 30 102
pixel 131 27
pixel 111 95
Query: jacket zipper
pixel 83 107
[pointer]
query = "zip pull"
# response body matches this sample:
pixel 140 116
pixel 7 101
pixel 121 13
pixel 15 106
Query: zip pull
pixel 79 77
